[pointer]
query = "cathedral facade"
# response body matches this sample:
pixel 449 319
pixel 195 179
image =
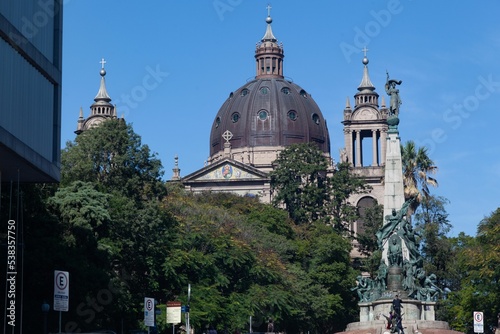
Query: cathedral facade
pixel 264 116
pixel 267 114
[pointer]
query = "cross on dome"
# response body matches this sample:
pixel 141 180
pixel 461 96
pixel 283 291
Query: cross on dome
pixel 227 135
pixel 102 62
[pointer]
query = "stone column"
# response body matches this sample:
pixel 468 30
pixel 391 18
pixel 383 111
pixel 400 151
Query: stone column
pixel 358 148
pixel 374 148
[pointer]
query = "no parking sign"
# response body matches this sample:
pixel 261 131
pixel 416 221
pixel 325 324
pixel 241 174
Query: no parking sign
pixel 149 312
pixel 478 322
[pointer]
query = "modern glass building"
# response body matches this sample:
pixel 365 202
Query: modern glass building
pixel 30 90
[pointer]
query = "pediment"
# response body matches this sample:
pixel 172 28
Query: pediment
pixel 365 114
pixel 226 170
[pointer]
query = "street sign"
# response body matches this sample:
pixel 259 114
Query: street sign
pixel 149 312
pixel 174 312
pixel 61 290
pixel 478 322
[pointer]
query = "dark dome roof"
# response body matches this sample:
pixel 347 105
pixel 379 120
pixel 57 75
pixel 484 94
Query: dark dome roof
pixel 269 112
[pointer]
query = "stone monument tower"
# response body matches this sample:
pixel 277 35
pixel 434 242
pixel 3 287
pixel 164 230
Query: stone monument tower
pixel 400 273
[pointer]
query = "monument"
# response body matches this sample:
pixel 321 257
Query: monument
pixel 402 296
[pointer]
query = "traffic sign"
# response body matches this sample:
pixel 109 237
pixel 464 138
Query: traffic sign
pixel 478 322
pixel 61 290
pixel 149 312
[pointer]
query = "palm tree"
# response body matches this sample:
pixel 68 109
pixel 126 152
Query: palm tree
pixel 417 168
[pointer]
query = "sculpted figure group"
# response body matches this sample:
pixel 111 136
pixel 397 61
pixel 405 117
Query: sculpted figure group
pixel 399 242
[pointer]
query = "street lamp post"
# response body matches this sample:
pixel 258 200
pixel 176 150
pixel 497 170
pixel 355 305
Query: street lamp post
pixel 45 311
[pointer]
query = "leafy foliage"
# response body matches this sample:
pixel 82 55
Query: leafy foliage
pixel 299 182
pixel 123 234
pixel 342 185
pixel 312 191
pixel 480 264
pixel 417 168
pixel 112 156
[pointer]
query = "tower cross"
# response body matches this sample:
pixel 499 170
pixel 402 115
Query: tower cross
pixel 365 50
pixel 102 62
pixel 269 9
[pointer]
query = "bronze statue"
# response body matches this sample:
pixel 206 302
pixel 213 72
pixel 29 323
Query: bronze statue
pixel 393 92
pixel 392 223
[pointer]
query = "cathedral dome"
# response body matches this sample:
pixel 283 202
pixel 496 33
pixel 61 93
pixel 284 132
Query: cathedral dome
pixel 269 112
pixel 265 115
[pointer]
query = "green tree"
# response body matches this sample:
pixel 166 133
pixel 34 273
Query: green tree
pixel 299 182
pixel 432 225
pixel 342 184
pixel 310 190
pixel 372 219
pixel 417 168
pixel 109 204
pixel 112 156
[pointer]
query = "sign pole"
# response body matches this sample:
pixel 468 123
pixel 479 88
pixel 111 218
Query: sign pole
pixel 188 329
pixel 61 293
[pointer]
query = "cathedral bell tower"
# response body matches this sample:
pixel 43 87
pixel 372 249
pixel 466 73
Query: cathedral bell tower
pixel 365 138
pixel 100 110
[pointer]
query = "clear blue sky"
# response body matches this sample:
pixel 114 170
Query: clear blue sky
pixel 445 52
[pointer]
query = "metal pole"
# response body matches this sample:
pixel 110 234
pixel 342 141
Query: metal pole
pixel 60 321
pixel 188 329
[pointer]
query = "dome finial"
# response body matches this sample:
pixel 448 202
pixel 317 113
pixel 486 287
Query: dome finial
pixel 365 82
pixel 268 19
pixel 103 71
pixel 269 37
pixel 365 58
pixel 102 94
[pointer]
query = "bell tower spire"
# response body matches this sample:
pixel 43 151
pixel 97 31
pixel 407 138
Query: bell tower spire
pixel 364 123
pixel 268 53
pixel 101 109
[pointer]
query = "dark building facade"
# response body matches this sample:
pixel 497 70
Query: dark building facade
pixel 30 90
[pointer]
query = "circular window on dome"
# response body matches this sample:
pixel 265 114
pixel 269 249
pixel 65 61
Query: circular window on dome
pixel 235 117
pixel 292 114
pixel 231 95
pixel 264 90
pixel 303 93
pixel 217 122
pixel 244 92
pixel 263 115
pixel 285 90
pixel 315 118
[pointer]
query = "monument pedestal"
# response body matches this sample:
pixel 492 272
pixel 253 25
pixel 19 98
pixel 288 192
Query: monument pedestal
pixel 418 318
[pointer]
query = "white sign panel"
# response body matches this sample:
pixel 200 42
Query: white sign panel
pixel 478 322
pixel 149 311
pixel 174 312
pixel 61 291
